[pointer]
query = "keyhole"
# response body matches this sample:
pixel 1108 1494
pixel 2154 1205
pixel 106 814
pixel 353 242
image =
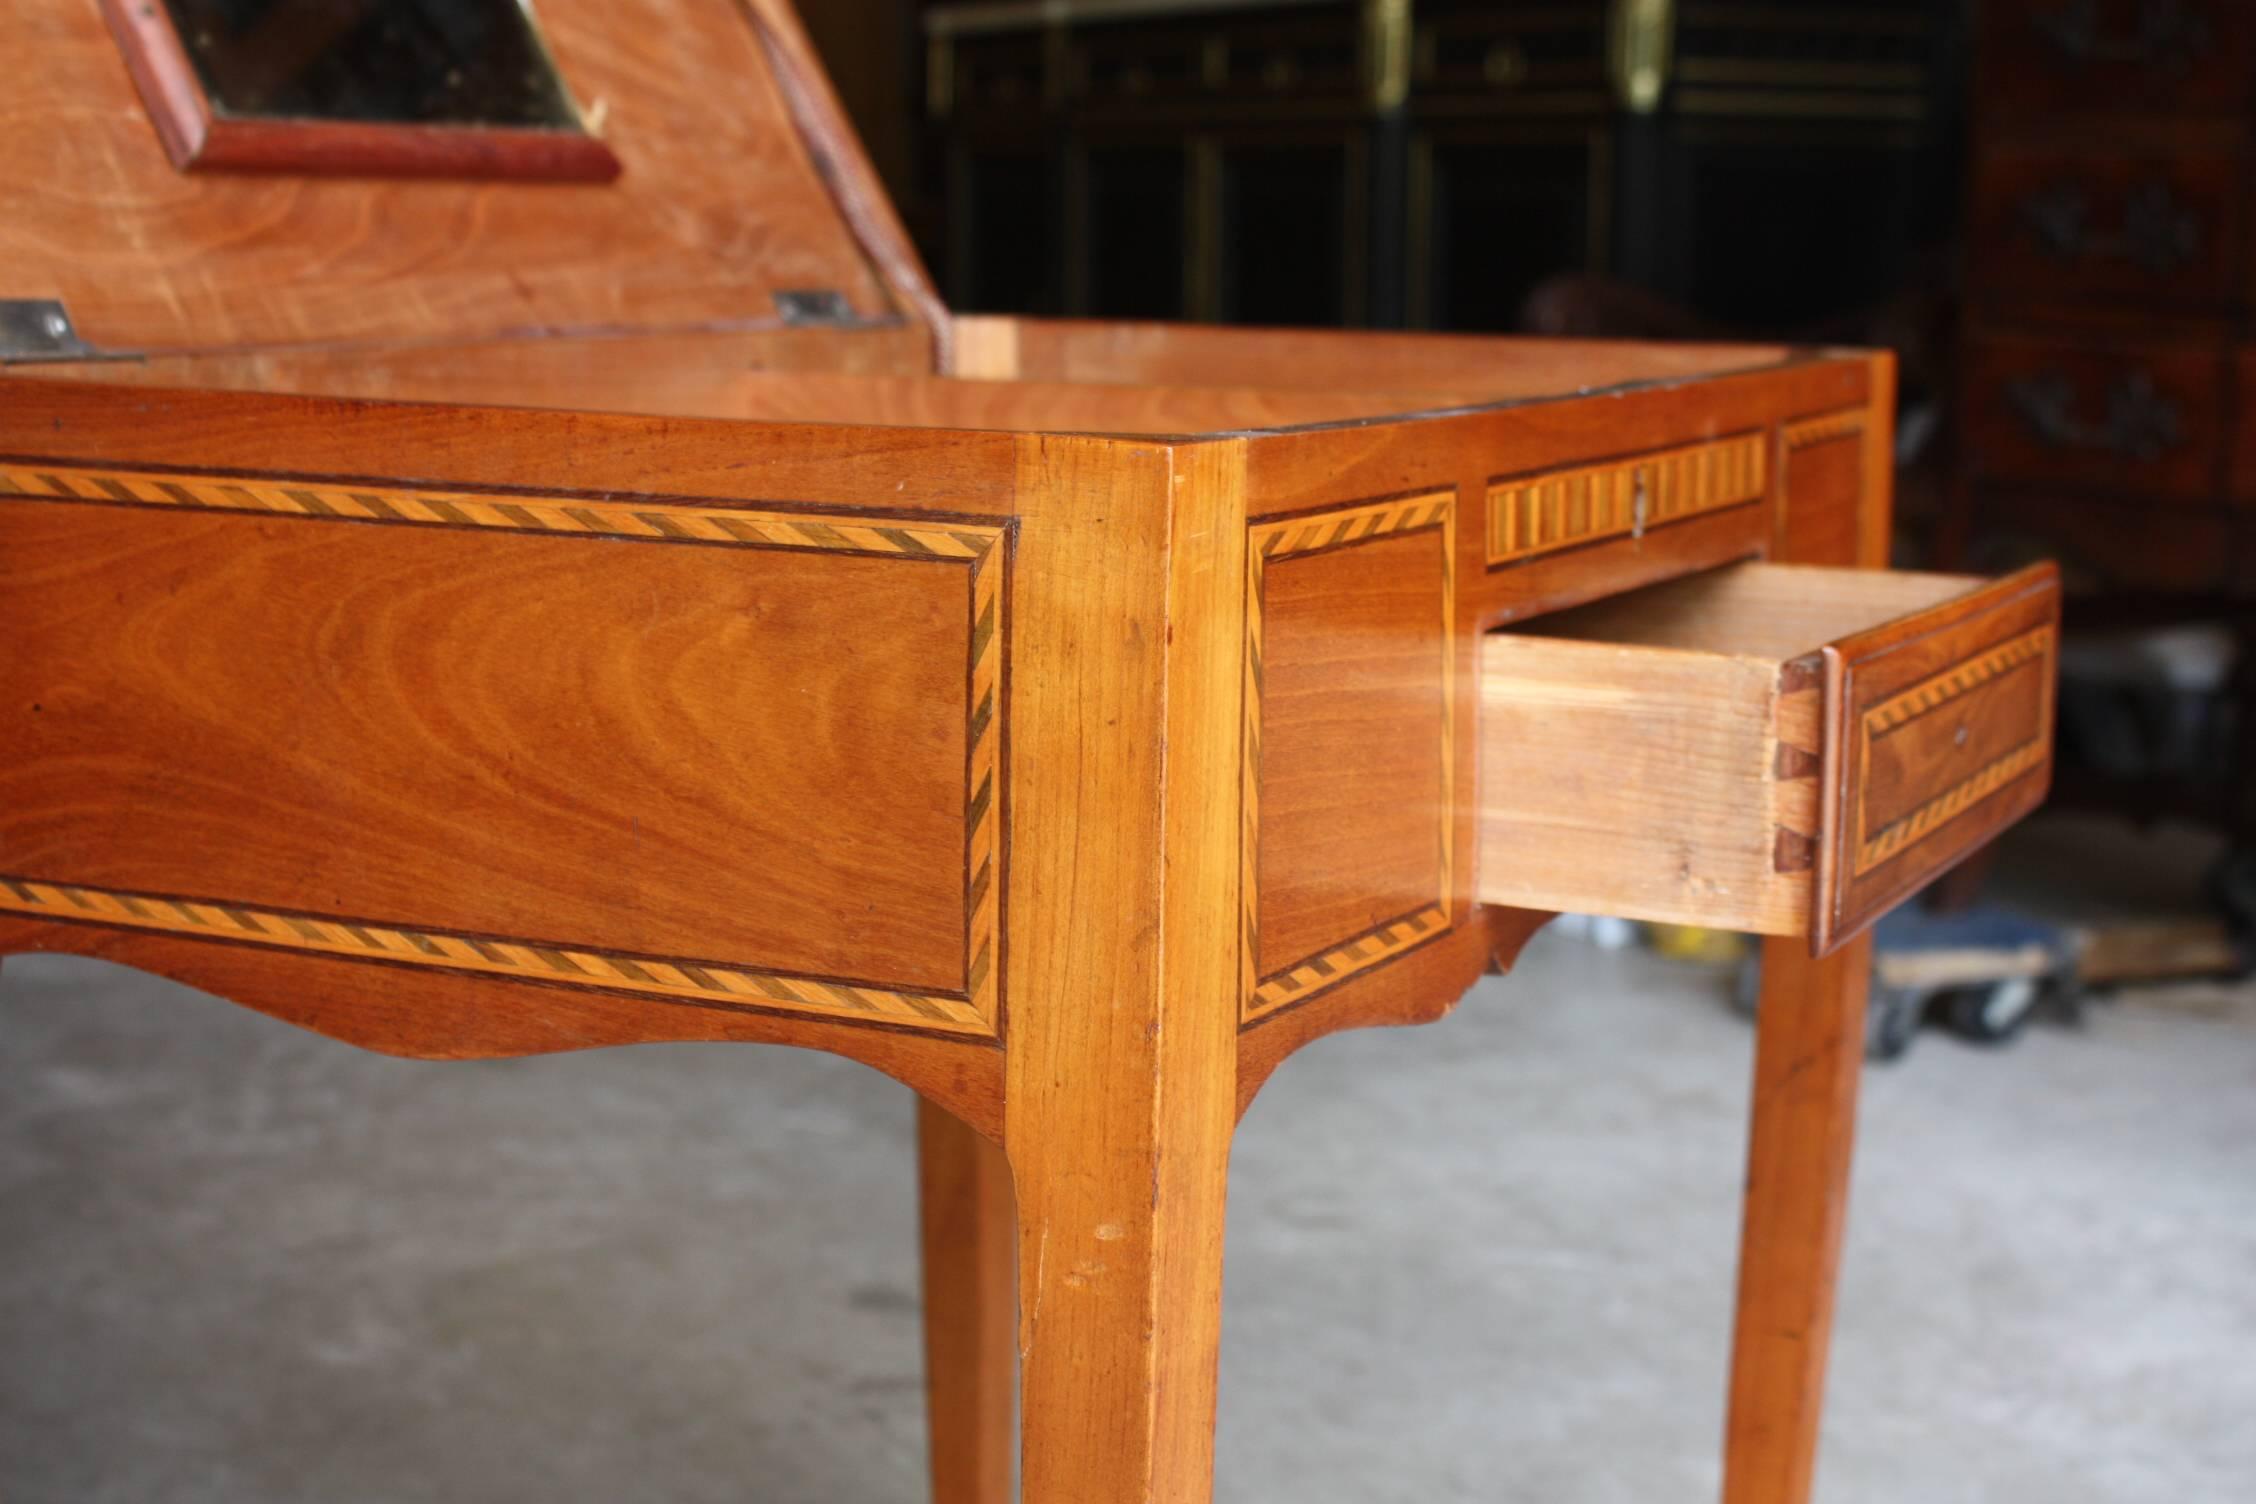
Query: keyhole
pixel 1958 737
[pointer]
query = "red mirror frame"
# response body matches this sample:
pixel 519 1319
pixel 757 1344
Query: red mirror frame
pixel 198 138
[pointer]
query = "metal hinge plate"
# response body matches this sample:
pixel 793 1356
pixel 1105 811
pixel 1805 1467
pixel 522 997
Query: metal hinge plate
pixel 816 308
pixel 39 329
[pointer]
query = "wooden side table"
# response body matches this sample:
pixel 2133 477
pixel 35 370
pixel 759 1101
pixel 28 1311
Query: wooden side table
pixel 481 639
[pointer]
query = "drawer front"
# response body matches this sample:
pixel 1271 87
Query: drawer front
pixel 1941 736
pixel 1533 515
pixel 2142 418
pixel 2175 57
pixel 2055 223
pixel 1778 749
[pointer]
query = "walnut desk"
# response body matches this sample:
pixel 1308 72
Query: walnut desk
pixel 485 638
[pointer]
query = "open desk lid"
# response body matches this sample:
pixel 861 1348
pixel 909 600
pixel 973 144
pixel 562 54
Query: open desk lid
pixel 743 199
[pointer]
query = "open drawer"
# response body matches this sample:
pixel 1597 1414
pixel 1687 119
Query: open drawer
pixel 1772 748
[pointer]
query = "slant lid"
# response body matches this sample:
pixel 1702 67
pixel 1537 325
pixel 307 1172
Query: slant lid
pixel 739 181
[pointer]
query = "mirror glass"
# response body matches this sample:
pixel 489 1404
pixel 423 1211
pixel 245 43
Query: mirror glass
pixel 398 62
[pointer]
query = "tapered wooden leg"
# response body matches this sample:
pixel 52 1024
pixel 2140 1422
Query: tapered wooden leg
pixel 1120 1260
pixel 970 1309
pixel 1809 1048
pixel 1124 952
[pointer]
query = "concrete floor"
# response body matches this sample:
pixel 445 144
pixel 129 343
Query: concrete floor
pixel 1487 1260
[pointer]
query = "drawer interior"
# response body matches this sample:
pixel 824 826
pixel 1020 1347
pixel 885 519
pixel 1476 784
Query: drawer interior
pixel 1768 611
pixel 1771 748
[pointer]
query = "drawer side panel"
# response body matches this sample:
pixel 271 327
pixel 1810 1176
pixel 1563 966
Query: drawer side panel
pixel 714 754
pixel 1637 782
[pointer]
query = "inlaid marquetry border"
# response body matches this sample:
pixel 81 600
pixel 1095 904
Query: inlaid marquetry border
pixel 1267 542
pixel 975 1010
pixel 1803 432
pixel 697 981
pixel 1924 698
pixel 657 521
pixel 1533 515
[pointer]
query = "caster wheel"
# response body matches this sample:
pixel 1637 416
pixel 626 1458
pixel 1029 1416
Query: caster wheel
pixel 1891 1021
pixel 1992 1014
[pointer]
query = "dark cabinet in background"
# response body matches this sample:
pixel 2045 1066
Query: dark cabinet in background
pixel 2107 401
pixel 1432 163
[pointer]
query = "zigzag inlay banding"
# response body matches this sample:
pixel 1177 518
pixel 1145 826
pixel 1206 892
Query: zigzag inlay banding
pixel 1924 698
pixel 671 521
pixel 976 1011
pixel 368 940
pixel 1955 681
pixel 1804 432
pixel 1266 543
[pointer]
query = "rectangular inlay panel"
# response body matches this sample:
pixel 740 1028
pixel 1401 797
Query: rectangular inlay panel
pixel 1348 749
pixel 1539 514
pixel 748 757
pixel 1987 716
pixel 1821 487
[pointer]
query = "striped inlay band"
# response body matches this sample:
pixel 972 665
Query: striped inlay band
pixel 1539 514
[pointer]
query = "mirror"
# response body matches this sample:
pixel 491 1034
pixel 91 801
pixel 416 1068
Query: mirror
pixel 423 87
pixel 421 62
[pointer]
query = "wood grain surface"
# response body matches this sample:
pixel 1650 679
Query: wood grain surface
pixel 1121 1092
pixel 1195 355
pixel 1809 1054
pixel 767 376
pixel 674 374
pixel 968 1244
pixel 1821 478
pixel 719 204
pixel 392 726
pixel 1351 745
pixel 1639 783
pixel 486 447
